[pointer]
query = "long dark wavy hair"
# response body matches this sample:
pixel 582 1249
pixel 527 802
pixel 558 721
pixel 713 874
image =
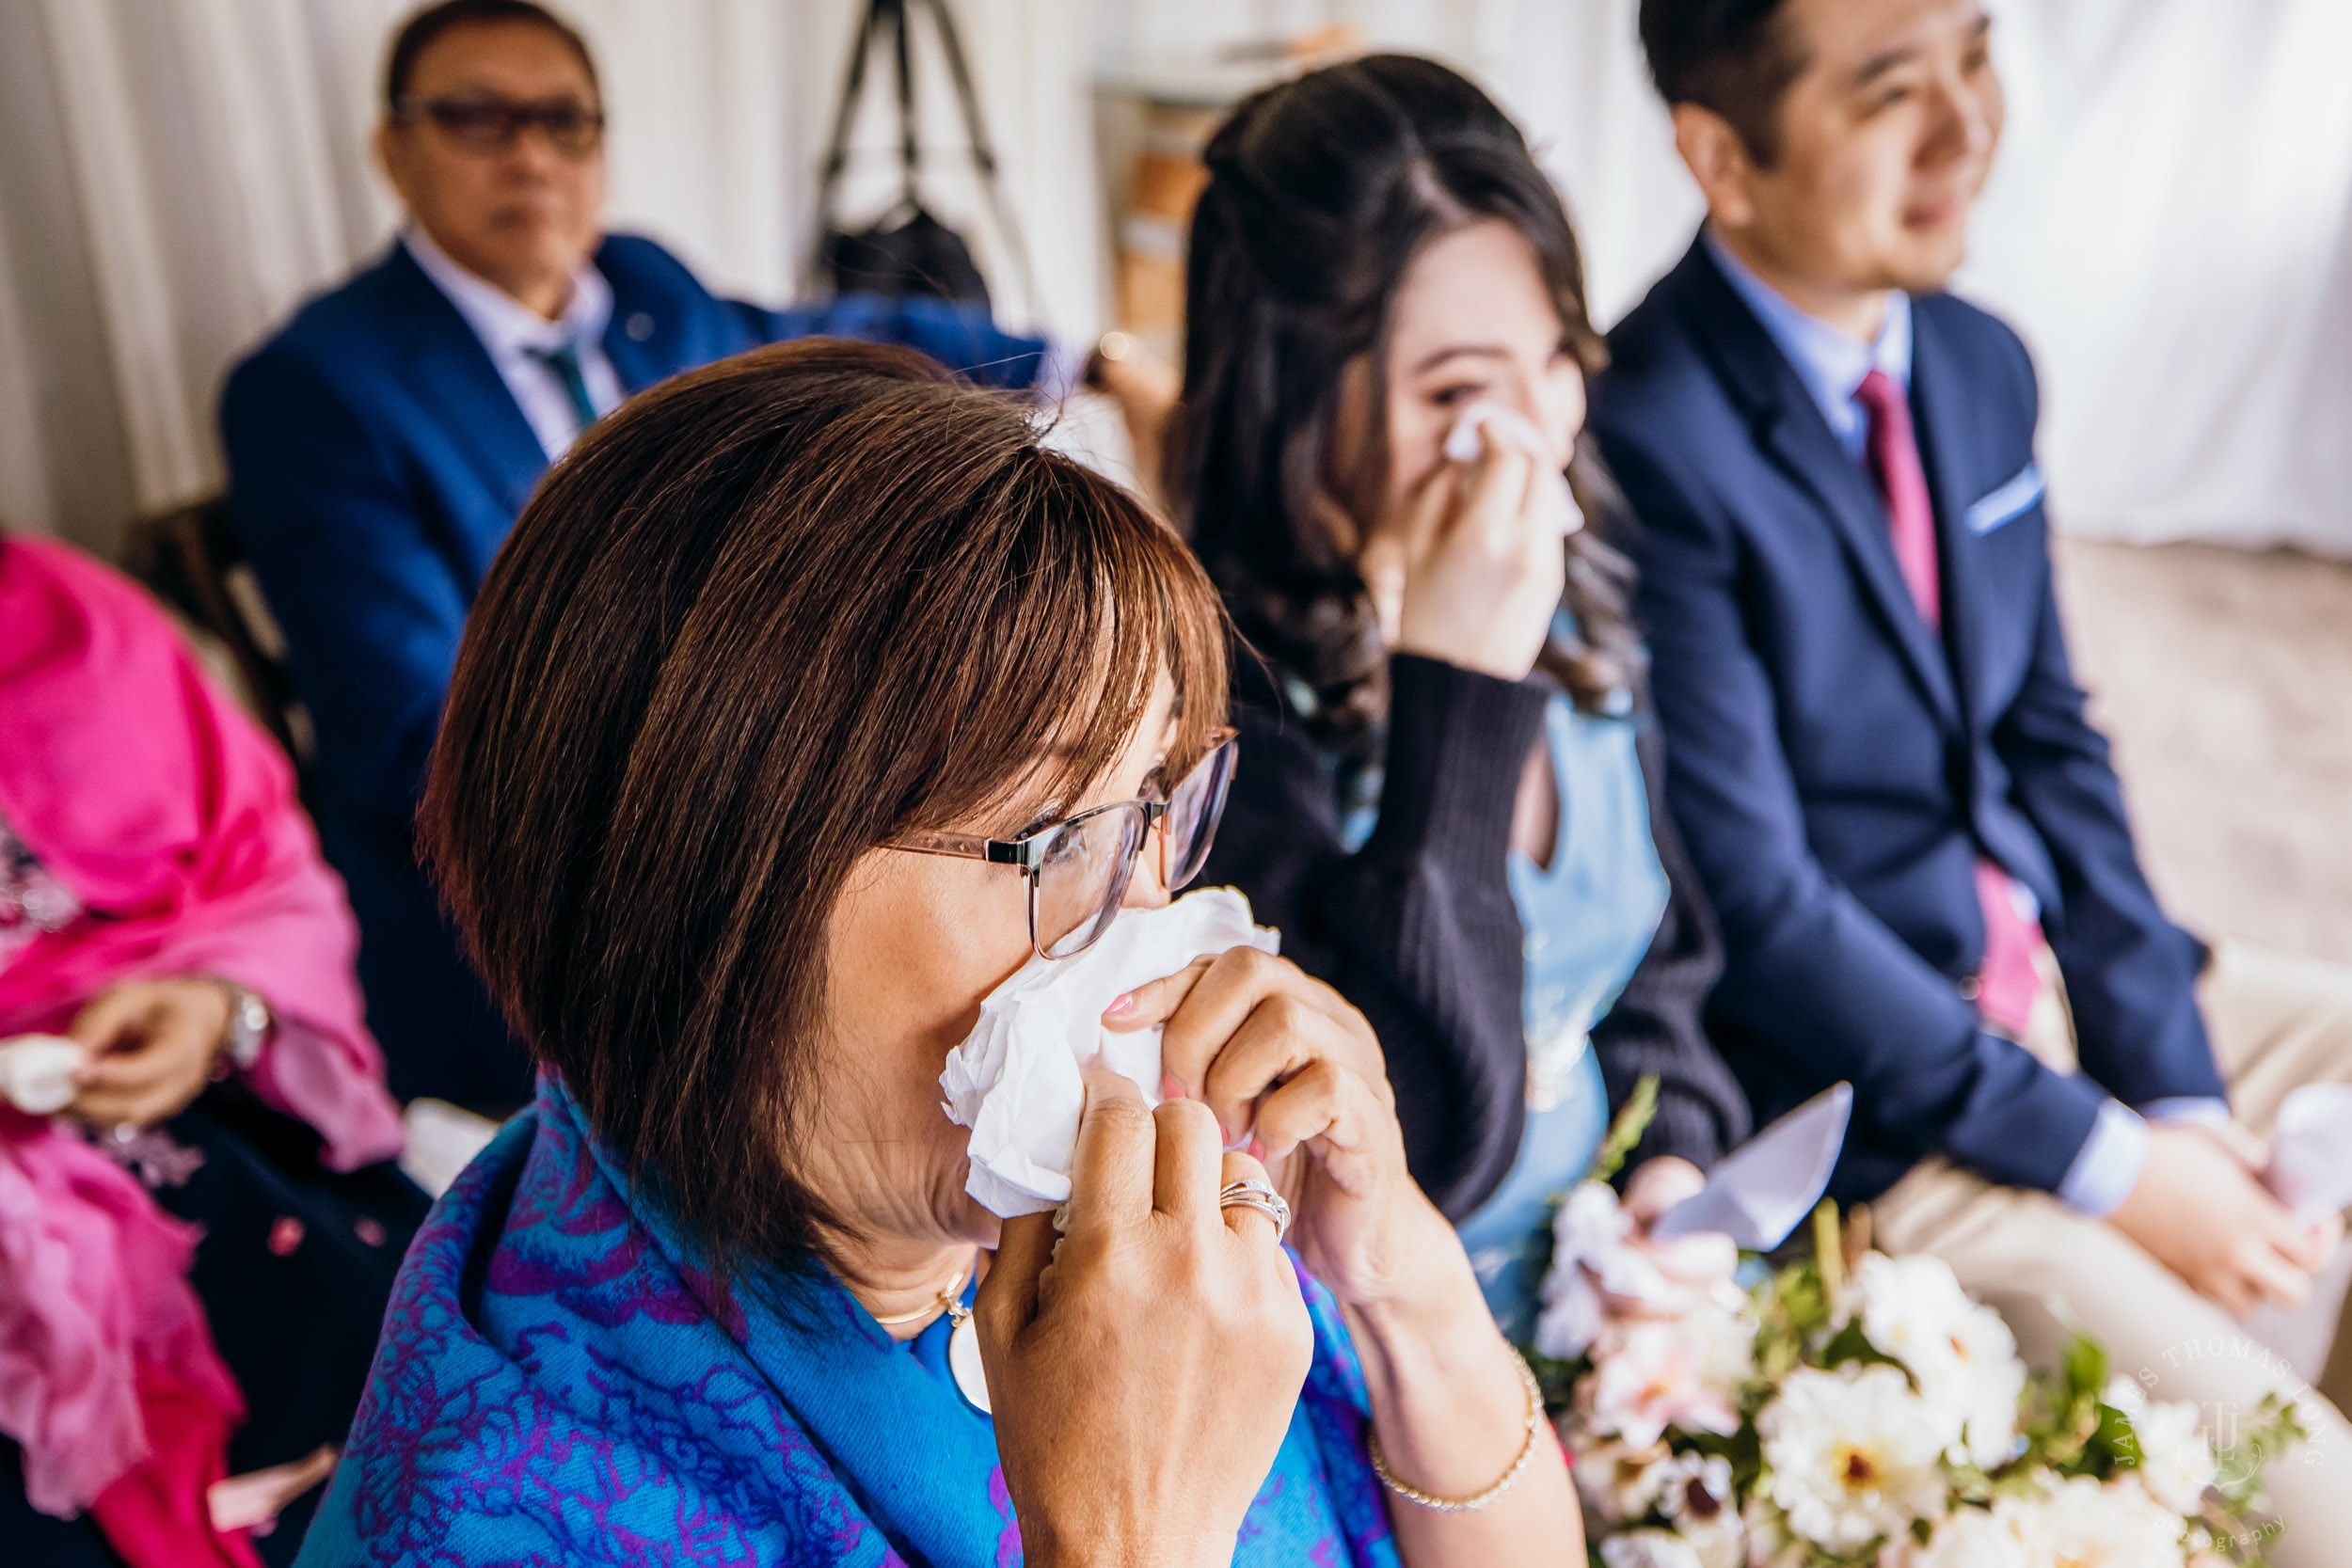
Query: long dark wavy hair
pixel 1321 193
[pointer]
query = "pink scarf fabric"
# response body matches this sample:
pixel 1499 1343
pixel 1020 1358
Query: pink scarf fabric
pixel 172 817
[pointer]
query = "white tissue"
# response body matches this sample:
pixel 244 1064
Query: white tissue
pixel 37 1072
pixel 1014 1082
pixel 2310 1151
pixel 1469 437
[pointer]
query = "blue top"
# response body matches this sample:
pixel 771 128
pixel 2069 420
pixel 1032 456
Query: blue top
pixel 558 1381
pixel 1587 919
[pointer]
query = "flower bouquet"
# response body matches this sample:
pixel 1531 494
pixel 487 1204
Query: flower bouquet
pixel 1855 1410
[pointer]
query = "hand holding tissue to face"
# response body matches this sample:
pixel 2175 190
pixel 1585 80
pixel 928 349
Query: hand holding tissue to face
pixel 1290 1069
pixel 1479 547
pixel 1015 1080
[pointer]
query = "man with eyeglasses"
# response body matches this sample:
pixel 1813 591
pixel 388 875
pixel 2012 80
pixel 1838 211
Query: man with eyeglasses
pixel 381 445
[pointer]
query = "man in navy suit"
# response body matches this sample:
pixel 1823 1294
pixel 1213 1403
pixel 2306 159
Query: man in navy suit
pixel 1878 755
pixel 381 445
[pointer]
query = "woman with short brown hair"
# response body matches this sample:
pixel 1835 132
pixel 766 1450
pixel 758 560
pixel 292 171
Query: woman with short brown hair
pixel 770 628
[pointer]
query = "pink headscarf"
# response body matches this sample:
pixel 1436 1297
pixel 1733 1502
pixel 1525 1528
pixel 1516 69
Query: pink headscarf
pixel 172 818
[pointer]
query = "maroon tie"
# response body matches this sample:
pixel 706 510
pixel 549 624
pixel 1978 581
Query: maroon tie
pixel 2007 983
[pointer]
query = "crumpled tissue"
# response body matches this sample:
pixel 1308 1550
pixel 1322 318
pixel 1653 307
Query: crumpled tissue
pixel 37 1072
pixel 1015 1081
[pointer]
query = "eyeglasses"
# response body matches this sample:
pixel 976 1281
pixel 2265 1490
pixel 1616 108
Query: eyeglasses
pixel 491 124
pixel 1078 869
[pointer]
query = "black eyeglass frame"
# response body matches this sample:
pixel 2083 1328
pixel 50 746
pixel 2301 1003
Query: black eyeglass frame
pixel 513 118
pixel 1028 851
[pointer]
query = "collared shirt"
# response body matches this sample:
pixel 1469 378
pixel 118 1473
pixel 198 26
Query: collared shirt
pixel 1832 364
pixel 511 330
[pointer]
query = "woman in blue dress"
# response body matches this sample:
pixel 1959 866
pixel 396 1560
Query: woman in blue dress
pixel 809 701
pixel 1453 804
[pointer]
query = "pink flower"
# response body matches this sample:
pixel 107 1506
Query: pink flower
pixel 1654 1377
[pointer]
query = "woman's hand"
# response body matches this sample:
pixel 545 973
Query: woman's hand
pixel 1145 1364
pixel 152 1044
pixel 1475 566
pixel 1283 1059
pixel 1693 1266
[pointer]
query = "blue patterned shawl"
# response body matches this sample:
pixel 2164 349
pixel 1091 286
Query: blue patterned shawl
pixel 554 1384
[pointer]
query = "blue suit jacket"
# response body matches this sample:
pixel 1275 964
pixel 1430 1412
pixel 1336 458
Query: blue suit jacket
pixel 376 462
pixel 1836 767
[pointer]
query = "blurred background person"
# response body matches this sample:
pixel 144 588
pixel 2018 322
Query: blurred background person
pixel 196 1252
pixel 1878 752
pixel 380 445
pixel 1450 801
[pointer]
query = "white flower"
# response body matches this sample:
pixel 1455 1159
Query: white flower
pixel 1852 1454
pixel 1769 1545
pixel 1973 1538
pixel 1962 1357
pixel 1590 1256
pixel 2084 1523
pixel 1696 1494
pixel 2176 1460
pixel 1648 1549
pixel 1572 1316
pixel 1653 1375
pixel 1615 1481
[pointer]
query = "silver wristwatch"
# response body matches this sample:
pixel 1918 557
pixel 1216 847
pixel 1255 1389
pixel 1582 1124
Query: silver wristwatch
pixel 250 1027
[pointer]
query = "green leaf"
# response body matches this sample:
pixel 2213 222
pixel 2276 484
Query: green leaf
pixel 1625 1130
pixel 2086 1366
pixel 1851 1343
pixel 2114 1440
pixel 1829 1250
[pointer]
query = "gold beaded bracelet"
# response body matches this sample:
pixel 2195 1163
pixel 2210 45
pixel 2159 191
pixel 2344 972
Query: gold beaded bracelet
pixel 1419 1498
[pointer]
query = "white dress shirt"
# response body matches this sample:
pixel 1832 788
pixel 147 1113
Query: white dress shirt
pixel 510 331
pixel 1832 364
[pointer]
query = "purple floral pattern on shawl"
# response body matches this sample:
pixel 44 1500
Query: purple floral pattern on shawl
pixel 554 1384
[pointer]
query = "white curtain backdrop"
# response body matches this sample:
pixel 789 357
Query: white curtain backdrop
pixel 2167 225
pixel 177 175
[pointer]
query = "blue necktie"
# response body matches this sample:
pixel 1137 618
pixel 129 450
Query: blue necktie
pixel 562 362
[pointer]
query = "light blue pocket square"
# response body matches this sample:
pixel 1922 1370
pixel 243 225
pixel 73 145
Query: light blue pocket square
pixel 2008 503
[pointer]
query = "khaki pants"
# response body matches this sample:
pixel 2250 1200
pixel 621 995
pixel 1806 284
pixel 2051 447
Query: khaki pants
pixel 2277 1022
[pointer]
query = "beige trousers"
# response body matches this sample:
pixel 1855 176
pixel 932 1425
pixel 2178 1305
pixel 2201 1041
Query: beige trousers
pixel 2277 1022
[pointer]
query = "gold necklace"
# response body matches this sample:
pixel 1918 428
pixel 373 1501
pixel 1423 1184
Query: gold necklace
pixel 964 1341
pixel 946 1299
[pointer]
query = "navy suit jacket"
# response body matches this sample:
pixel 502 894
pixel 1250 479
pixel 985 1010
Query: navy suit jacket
pixel 376 462
pixel 1836 767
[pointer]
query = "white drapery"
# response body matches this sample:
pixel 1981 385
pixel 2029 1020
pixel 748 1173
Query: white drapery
pixel 177 175
pixel 2167 226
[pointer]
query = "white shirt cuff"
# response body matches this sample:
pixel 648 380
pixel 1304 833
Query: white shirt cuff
pixel 2108 1166
pixel 2194 1110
